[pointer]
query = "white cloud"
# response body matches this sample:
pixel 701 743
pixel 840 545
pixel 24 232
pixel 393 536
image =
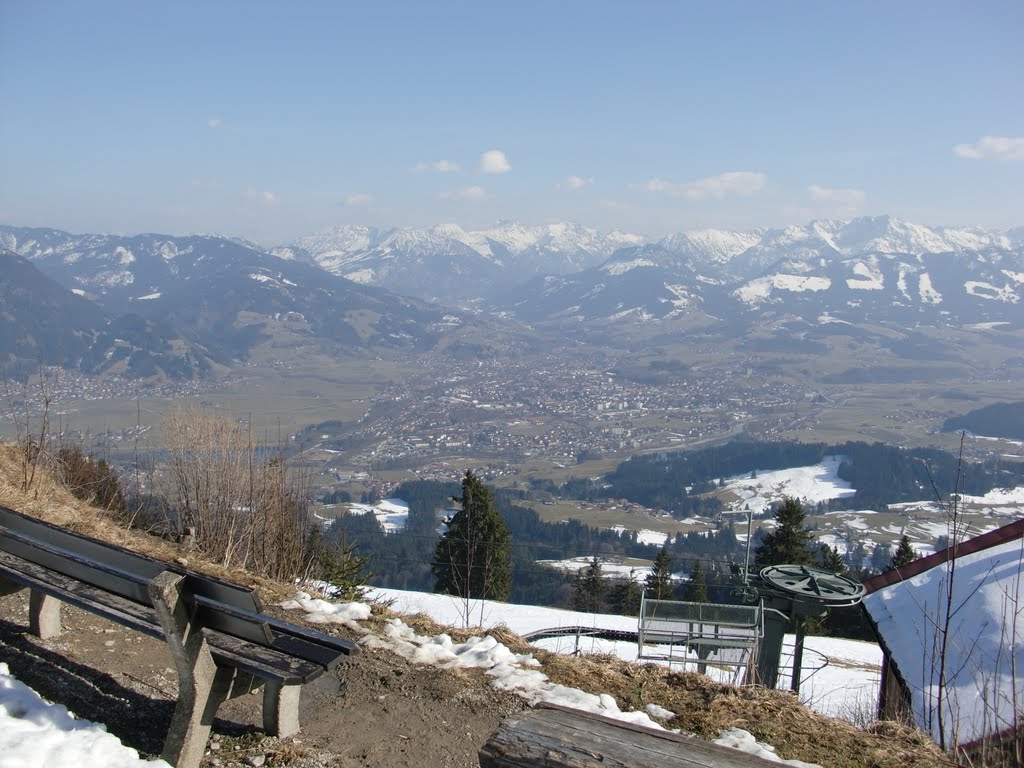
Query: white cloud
pixel 469 193
pixel 992 147
pixel 214 122
pixel 440 166
pixel 358 198
pixel 575 182
pixel 845 197
pixel 261 196
pixel 494 161
pixel 733 183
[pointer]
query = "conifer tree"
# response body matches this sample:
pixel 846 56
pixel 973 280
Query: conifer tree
pixel 473 558
pixel 658 584
pixel 588 588
pixel 697 590
pixel 831 560
pixel 904 553
pixel 789 541
pixel 625 597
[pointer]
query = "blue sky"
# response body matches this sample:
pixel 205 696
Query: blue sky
pixel 274 120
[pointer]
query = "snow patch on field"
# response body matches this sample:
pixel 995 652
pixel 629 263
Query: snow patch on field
pixel 812 484
pixel 928 293
pixel 760 289
pixel 392 514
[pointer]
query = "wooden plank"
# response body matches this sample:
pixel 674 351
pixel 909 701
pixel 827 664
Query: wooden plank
pixel 228 619
pixel 321 638
pixel 69 563
pixel 223 591
pixel 264 663
pixel 559 737
pixel 315 653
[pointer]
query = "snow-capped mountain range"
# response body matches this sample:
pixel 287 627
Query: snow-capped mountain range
pixel 867 270
pixel 447 263
pixel 842 270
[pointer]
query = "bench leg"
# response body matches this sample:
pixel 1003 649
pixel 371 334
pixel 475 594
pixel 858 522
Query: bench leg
pixel 281 709
pixel 44 615
pixel 201 686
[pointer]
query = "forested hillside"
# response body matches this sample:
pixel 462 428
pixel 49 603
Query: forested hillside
pixel 996 420
pixel 402 560
pixel 881 474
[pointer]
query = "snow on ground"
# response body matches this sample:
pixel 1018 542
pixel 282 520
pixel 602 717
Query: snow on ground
pixel 647 536
pixel 35 732
pixel 513 672
pixel 840 677
pixel 810 484
pixel 392 514
pixel 651 537
pixel 610 567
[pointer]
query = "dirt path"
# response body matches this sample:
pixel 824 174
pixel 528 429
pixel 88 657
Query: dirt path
pixel 375 710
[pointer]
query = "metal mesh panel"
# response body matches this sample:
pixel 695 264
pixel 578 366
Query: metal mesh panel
pixel 700 613
pixel 701 634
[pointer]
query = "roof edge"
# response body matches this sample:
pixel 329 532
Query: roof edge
pixel 1001 535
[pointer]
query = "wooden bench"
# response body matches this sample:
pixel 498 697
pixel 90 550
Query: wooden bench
pixel 222 642
pixel 551 736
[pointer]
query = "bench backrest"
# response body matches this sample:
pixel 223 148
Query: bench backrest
pixel 82 557
pixel 214 603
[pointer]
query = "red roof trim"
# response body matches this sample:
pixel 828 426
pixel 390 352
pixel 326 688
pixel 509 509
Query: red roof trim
pixel 985 541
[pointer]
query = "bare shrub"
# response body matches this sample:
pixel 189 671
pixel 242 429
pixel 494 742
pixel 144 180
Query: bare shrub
pixel 90 479
pixel 237 504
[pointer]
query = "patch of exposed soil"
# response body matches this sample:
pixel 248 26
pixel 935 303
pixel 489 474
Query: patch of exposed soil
pixel 376 709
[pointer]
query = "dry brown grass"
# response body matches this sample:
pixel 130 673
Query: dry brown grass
pixel 49 500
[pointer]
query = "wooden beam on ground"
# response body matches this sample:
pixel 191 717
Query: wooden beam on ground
pixel 551 736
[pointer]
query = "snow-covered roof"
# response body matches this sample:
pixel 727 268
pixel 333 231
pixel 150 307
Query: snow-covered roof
pixel 977 626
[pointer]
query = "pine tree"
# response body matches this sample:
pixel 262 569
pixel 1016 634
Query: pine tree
pixel 658 584
pixel 789 541
pixel 625 597
pixel 588 588
pixel 904 553
pixel 473 558
pixel 338 564
pixel 697 589
pixel 830 559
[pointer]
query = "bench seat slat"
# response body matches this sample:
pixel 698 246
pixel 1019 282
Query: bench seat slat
pixel 265 663
pixel 320 638
pixel 312 652
pixel 311 646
